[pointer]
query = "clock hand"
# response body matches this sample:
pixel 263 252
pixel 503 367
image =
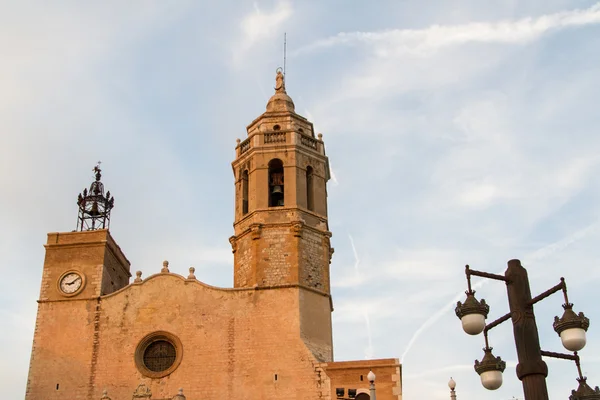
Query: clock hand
pixel 72 282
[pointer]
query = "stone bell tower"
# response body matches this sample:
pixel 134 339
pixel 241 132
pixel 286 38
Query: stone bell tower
pixel 281 230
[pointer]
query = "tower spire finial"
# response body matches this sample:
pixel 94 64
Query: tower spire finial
pixel 97 170
pixel 94 206
pixel 284 50
pixel 280 77
pixel 279 81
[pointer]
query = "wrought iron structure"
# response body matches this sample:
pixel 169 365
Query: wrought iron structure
pixel 531 370
pixel 94 205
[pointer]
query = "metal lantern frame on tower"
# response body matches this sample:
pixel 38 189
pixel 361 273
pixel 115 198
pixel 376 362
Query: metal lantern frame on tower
pixel 94 205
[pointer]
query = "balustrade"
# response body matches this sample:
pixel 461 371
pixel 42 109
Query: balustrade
pixel 275 137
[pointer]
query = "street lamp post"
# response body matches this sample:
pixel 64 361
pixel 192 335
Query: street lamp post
pixel 371 378
pixel 452 386
pixel 531 369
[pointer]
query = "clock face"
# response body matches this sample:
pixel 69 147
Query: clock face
pixel 71 282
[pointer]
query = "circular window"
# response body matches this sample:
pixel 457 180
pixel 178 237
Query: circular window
pixel 158 354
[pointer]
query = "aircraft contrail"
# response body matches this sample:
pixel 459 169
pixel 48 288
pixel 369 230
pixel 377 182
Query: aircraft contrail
pixel 369 349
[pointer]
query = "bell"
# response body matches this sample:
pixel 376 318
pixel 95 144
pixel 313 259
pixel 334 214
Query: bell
pixel 277 190
pixel 94 211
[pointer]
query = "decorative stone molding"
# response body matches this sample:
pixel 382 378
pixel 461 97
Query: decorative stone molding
pixel 165 268
pixel 233 241
pixel 327 239
pixel 297 228
pixel 142 392
pixel 179 395
pixel 327 244
pixel 256 231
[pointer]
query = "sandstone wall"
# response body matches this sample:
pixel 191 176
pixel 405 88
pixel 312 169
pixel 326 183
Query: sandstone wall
pixel 353 375
pixel 237 344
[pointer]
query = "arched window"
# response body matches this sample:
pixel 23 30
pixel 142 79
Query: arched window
pixel 309 189
pixel 362 396
pixel 275 183
pixel 245 192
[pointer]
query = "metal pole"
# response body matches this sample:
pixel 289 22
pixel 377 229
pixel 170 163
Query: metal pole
pixel 531 370
pixel 372 391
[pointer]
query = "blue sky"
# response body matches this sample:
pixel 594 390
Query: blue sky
pixel 458 132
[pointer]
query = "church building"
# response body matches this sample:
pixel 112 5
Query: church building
pixel 102 334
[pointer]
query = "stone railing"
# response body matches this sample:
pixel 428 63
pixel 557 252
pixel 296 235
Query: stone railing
pixel 275 137
pixel 245 146
pixel 309 142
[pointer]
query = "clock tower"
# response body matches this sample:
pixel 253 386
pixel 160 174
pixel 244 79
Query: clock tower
pixel 79 268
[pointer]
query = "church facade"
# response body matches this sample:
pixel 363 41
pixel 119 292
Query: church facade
pixel 100 334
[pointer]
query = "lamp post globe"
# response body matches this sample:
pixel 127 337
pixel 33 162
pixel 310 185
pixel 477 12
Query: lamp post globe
pixel 491 380
pixel 572 328
pixel 451 384
pixel 490 370
pixel 573 339
pixel 473 324
pixel 371 376
pixel 472 314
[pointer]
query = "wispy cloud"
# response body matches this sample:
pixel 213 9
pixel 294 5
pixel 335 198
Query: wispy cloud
pixel 259 25
pixel 435 37
pixel 365 311
pixel 552 248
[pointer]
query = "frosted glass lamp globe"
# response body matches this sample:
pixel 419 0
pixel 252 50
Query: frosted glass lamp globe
pixel 573 339
pixel 491 380
pixel 473 324
pixel 371 376
pixel 452 384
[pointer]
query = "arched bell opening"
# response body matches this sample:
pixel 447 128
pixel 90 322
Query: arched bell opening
pixel 245 192
pixel 310 202
pixel 276 198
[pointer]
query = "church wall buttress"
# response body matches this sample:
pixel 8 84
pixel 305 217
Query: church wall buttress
pixel 242 258
pixel 315 324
